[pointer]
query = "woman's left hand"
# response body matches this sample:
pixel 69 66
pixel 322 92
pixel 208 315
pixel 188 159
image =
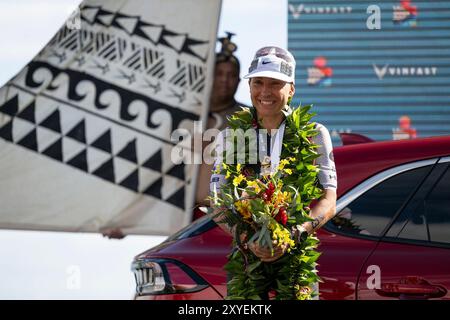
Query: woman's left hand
pixel 265 254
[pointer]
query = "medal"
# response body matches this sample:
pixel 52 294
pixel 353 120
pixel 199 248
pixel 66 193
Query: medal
pixel 266 166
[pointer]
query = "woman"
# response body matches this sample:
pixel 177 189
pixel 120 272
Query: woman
pixel 271 80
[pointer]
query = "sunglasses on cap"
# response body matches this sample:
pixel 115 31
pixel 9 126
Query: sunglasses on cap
pixel 276 51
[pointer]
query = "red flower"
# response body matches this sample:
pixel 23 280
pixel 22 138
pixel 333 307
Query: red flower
pixel 267 196
pixel 282 217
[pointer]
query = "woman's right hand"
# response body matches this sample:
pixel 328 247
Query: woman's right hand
pixel 265 254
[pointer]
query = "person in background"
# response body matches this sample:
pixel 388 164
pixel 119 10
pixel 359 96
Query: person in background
pixel 222 104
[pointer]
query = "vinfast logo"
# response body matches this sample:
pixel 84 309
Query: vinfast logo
pixel 403 71
pixel 405 14
pixel 301 9
pixel 320 74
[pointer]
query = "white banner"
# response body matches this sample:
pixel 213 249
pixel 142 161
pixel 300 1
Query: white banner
pixel 85 127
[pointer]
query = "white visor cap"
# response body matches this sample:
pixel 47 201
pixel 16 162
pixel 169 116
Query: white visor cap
pixel 273 62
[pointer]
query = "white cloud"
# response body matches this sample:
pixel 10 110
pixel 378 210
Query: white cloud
pixel 25 28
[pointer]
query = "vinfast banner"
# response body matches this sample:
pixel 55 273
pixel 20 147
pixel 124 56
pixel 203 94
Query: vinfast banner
pixel 377 68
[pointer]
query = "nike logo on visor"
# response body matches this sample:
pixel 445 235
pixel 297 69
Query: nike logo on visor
pixel 266 62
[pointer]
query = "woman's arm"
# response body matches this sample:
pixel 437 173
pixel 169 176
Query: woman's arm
pixel 322 212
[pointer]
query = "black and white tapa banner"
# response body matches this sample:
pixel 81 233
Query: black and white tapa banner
pixel 85 127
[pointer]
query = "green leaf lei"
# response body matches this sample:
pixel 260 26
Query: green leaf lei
pixel 265 208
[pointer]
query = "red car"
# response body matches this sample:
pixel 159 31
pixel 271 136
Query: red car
pixel 390 238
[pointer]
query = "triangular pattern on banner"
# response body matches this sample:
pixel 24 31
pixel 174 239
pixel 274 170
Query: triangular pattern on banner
pixel 120 138
pixel 95 128
pixel 80 161
pixel 155 189
pixel 128 23
pixel 78 132
pixel 25 99
pixel 170 185
pixel 28 113
pixel 154 162
pixel 103 142
pixel 200 49
pixel 70 118
pixel 4 119
pixel 106 18
pixel 152 32
pixel 21 128
pixel 45 138
pixel 166 157
pixel 11 106
pixel 132 181
pixel 52 122
pixel 129 152
pixel 96 158
pixel 6 131
pixel 106 171
pixel 123 168
pixel 55 150
pixel 15 101
pixel 177 171
pixel 89 14
pixel 147 177
pixel 178 198
pixel 29 141
pixel 71 148
pixel 146 147
pixel 175 42
pixel 3 92
pixel 44 108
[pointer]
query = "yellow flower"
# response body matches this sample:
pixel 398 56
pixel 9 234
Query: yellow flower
pixel 302 292
pixel 283 163
pixel 255 185
pixel 228 174
pixel 217 169
pixel 282 198
pixel 282 235
pixel 238 167
pixel 280 184
pixel 243 207
pixel 237 180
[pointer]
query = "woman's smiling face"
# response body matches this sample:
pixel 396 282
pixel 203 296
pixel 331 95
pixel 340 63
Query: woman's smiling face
pixel 269 95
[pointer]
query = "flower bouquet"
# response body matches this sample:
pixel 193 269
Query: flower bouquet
pixel 266 208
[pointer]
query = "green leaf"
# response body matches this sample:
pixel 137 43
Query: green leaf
pixel 253 266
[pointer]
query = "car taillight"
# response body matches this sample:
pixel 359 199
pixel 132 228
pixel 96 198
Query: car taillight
pixel 149 278
pixel 165 276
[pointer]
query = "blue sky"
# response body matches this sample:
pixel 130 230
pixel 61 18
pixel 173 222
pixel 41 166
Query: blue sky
pixel 43 265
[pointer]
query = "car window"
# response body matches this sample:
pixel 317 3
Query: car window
pixel 370 213
pixel 429 220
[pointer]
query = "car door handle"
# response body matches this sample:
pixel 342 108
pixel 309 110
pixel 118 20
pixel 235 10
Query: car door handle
pixel 412 288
